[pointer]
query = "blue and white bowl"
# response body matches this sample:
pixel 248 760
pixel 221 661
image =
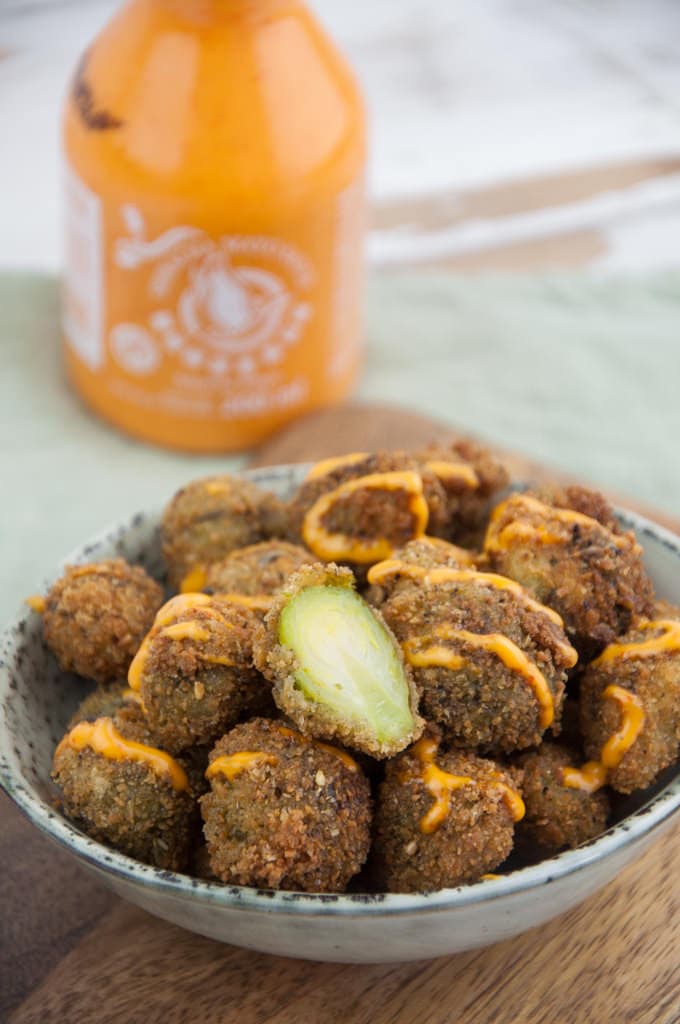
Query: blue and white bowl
pixel 36 702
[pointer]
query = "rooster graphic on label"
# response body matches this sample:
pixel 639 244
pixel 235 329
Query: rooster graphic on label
pixel 229 314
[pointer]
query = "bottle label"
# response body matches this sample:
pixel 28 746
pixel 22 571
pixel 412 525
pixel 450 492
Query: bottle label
pixel 201 326
pixel 82 303
pixel 227 307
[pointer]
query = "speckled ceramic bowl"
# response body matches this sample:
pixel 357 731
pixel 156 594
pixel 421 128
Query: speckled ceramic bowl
pixel 37 701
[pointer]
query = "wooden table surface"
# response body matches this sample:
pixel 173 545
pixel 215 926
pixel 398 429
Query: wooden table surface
pixel 72 952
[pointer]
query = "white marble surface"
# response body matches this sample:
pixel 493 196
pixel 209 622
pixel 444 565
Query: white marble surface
pixel 463 96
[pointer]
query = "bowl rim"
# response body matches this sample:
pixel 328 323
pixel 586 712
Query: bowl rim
pixel 627 832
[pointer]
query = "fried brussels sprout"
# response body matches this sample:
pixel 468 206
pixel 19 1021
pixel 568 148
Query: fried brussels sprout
pixel 285 812
pixel 336 668
pixel 96 615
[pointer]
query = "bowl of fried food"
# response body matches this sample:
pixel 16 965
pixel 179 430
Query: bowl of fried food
pixel 382 708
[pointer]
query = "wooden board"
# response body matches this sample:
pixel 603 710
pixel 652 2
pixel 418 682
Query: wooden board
pixel 70 951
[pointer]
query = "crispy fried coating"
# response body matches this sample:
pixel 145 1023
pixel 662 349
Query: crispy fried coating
pixel 258 568
pixel 557 816
pixel 195 674
pixel 104 702
pixel 131 722
pixel 368 514
pixel 473 836
pixel 644 662
pixel 476 651
pixel 211 517
pixel 566 547
pixel 470 475
pixel 125 804
pixel 96 615
pixel 296 815
pixel 426 552
pixel 352 684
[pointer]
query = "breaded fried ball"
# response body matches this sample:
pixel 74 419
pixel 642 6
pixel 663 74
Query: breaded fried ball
pixel 285 812
pixel 194 672
pixel 258 569
pixel 557 816
pixel 567 549
pixel 211 517
pixel 489 661
pixel 104 702
pixel 630 705
pixel 129 795
pixel 336 669
pixel 96 616
pixel 426 552
pixel 470 476
pixel 442 819
pixel 358 508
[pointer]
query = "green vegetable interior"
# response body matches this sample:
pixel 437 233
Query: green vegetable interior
pixel 347 660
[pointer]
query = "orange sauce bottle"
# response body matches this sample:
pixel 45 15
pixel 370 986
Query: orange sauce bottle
pixel 215 155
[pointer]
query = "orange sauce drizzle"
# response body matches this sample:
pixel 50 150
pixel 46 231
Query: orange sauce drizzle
pixel 232 765
pixel 37 603
pixel 633 718
pixel 328 545
pixel 165 624
pixel 667 641
pixel 180 605
pixel 96 569
pixel 433 656
pixel 395 567
pixel 511 798
pixel 500 539
pixel 131 696
pixel 194 580
pixel 441 784
pixel 103 738
pixel 326 466
pixel 191 630
pixel 589 778
pixel 489 877
pixel 346 759
pixel 512 656
pixel 593 775
pixel 453 471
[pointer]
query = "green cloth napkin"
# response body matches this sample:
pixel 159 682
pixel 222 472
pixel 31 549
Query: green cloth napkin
pixel 579 372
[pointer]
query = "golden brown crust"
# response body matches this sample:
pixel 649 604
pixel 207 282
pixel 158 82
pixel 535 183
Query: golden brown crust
pixel 301 822
pixel 475 837
pixel 125 804
pixel 369 514
pixel 258 568
pixel 426 552
pixel 556 816
pixel 211 517
pixel 655 680
pixel 483 705
pixel 592 574
pixel 188 696
pixel 96 616
pixel 466 506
